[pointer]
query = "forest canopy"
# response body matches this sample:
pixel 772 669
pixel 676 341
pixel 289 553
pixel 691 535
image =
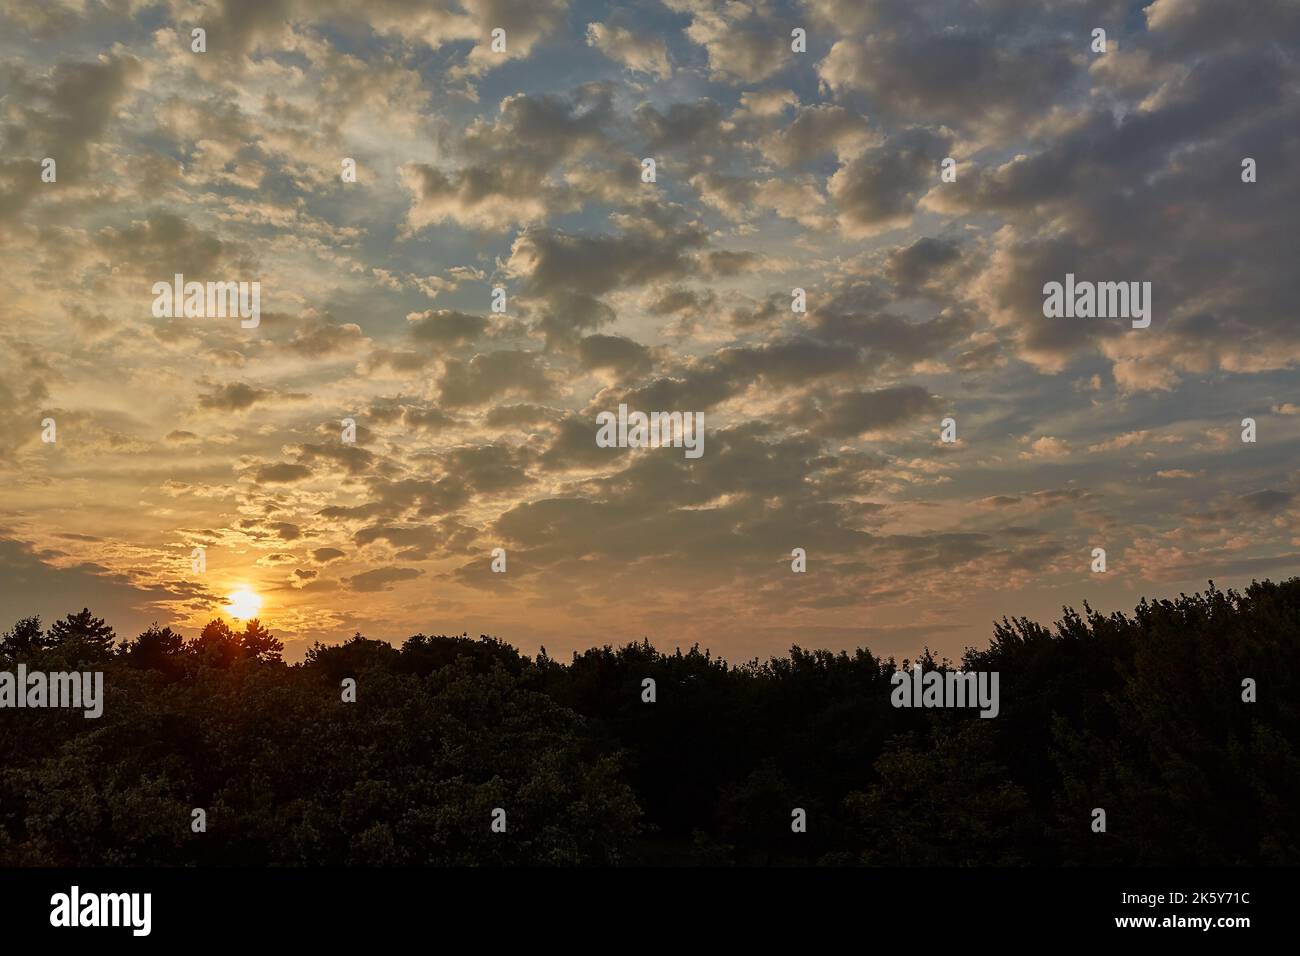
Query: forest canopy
pixel 1141 715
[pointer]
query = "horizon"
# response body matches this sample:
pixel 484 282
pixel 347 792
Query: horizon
pixel 941 659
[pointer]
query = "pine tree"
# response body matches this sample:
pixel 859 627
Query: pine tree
pixel 24 638
pixel 257 644
pixel 83 635
pixel 216 644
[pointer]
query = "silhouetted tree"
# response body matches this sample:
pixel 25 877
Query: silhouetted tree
pixel 1140 714
pixel 352 657
pixel 83 636
pixel 217 645
pixel 156 648
pixel 257 644
pixel 25 637
pixel 945 801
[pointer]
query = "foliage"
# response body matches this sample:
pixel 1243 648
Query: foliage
pixel 1141 715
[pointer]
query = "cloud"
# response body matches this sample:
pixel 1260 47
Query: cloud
pixel 445 328
pixel 526 22
pixel 697 124
pixel 569 273
pixel 924 265
pixel 949 74
pixel 1266 502
pixel 510 168
pixel 879 189
pixel 380 579
pixel 491 376
pixel 1047 447
pixel 49 583
pixel 854 413
pixel 775 171
pixel 280 473
pixel 642 52
pixel 320 335
pixel 777 365
pixel 614 352
pixel 164 244
pixel 818 130
pixel 234 397
pixel 745 42
pixel 65 113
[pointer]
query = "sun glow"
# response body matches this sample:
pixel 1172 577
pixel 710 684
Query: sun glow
pixel 243 604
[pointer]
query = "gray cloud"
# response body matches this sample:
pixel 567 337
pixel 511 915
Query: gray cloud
pixel 380 579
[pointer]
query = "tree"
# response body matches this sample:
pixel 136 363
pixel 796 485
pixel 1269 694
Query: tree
pixel 350 658
pixel 1148 713
pixel 257 644
pixel 216 645
pixel 83 636
pixel 947 803
pixel 219 646
pixel 155 648
pixel 24 638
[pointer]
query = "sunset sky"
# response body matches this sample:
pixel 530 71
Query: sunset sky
pixel 775 170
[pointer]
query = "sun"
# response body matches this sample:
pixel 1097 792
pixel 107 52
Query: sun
pixel 243 604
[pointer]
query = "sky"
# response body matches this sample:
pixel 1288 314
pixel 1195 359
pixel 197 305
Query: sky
pixel 775 169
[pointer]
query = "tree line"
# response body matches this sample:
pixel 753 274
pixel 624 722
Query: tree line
pixel 1141 715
